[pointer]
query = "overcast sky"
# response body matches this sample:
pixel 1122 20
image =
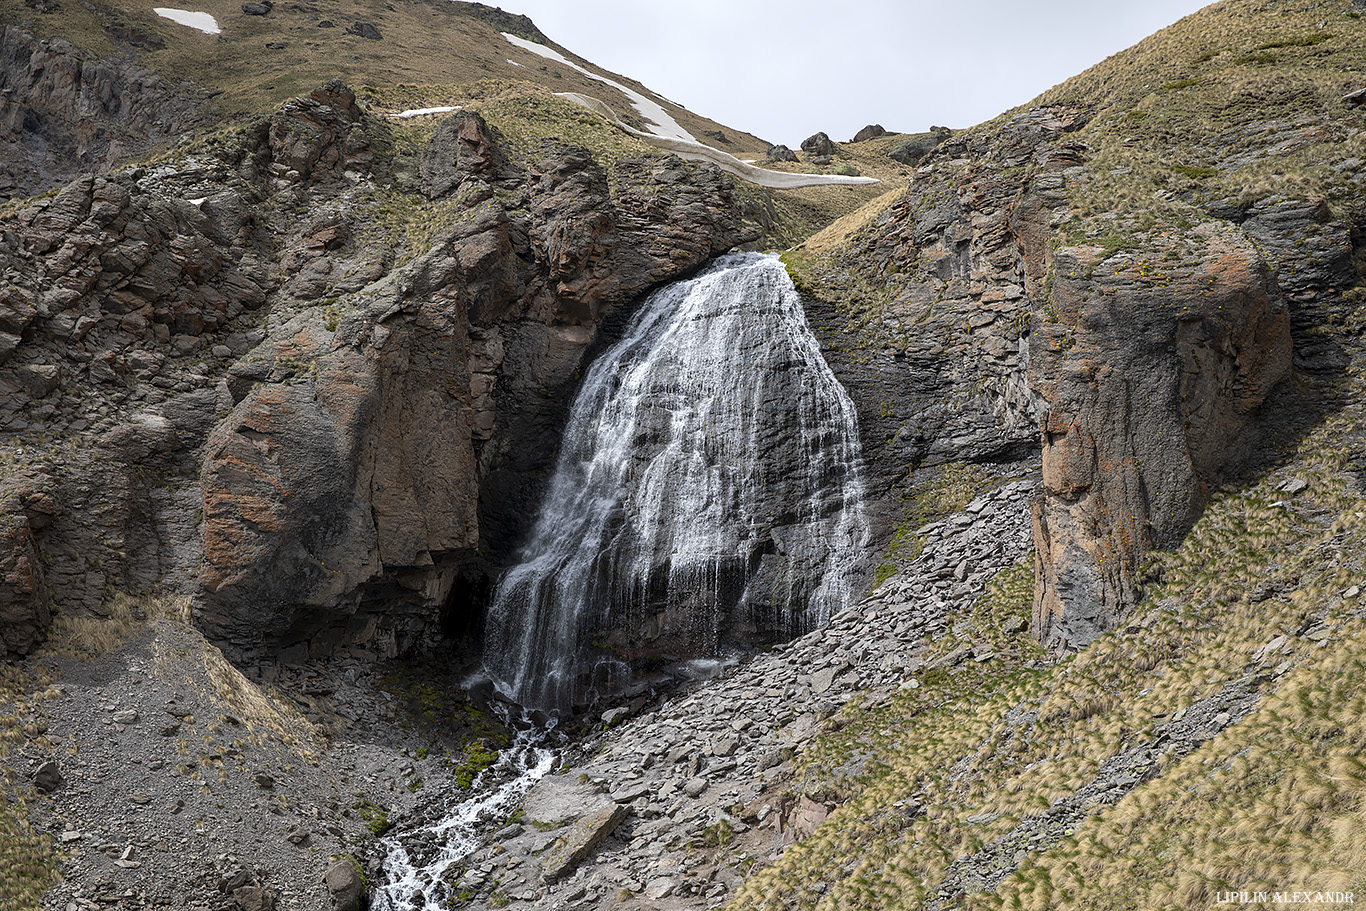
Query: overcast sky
pixel 783 69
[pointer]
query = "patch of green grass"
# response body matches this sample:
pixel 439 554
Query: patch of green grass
pixel 376 817
pixel 1300 41
pixel 1179 84
pixel 1194 172
pixel 718 834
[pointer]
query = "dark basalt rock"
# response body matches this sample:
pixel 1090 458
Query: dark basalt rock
pixel 912 150
pixel 818 144
pixel 367 30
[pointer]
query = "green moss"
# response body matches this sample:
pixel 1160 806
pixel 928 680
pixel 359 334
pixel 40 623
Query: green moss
pixel 478 757
pixel 376 817
pixel 1194 172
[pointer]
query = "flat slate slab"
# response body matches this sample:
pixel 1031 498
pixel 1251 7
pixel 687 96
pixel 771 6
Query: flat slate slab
pixel 580 840
pixel 560 800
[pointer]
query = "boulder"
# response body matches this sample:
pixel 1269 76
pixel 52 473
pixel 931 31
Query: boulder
pixel 911 150
pixel 345 887
pixel 460 148
pixel 257 9
pixel 367 30
pixel 47 777
pixel 781 153
pixel 818 144
pixel 585 835
pixel 871 131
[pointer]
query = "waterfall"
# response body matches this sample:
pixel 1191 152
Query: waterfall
pixel 708 494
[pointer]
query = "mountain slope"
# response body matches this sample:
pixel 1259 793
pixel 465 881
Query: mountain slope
pixel 317 360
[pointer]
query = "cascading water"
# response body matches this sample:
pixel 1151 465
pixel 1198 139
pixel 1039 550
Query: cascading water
pixel 708 493
pixel 417 859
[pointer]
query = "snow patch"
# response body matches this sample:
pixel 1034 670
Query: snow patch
pixel 515 63
pixel 662 125
pixel 422 112
pixel 202 21
pixel 696 151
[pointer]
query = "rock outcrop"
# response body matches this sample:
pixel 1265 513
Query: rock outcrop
pixel 63 111
pixel 140 307
pixel 26 509
pixel 364 469
pixel 1149 367
pixel 871 131
pixel 1138 364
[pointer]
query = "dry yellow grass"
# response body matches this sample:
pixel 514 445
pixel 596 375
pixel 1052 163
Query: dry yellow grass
pixel 1274 801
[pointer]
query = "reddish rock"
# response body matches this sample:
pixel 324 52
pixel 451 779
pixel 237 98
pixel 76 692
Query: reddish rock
pixel 1149 367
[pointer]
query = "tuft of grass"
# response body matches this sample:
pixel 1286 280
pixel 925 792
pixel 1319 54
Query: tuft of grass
pixel 1194 172
pixel 1299 41
pixel 1179 84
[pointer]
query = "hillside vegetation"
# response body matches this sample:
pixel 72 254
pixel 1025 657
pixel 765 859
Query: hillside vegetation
pixel 1213 741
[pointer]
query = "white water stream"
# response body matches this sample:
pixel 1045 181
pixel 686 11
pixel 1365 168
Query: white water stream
pixel 413 868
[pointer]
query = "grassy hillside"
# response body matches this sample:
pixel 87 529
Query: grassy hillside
pixel 259 61
pixel 1238 102
pixel 1214 741
pixel 1260 620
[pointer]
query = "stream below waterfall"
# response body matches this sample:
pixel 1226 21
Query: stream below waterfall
pixel 417 858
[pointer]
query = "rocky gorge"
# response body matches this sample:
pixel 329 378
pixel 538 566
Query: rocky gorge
pixel 280 403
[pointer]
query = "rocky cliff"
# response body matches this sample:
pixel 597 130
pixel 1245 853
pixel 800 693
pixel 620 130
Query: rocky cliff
pixel 385 422
pixel 1030 296
pixel 64 110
